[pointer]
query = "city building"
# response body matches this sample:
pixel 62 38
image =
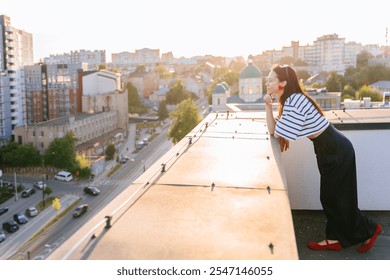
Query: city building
pixel 63 98
pixel 146 57
pixel 52 91
pixel 94 132
pixel 250 89
pixel 327 53
pixel 16 51
pixel 250 83
pixel 94 59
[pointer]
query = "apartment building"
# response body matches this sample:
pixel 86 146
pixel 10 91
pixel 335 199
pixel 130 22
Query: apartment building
pixel 92 131
pixel 91 104
pixel 327 53
pixel 52 91
pixel 146 57
pixel 16 51
pixel 93 58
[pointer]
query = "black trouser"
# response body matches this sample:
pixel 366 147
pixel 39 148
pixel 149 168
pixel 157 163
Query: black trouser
pixel 338 193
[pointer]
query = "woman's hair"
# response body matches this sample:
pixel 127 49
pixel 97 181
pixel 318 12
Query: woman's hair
pixel 288 74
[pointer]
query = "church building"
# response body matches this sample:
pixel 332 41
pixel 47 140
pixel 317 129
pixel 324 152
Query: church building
pixel 250 89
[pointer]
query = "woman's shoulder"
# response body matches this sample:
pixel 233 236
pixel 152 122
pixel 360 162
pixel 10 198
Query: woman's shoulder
pixel 295 97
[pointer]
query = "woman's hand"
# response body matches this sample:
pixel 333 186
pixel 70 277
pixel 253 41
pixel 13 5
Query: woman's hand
pixel 269 99
pixel 284 144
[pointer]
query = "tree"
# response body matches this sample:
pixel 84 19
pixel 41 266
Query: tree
pixel 177 93
pixel 184 119
pixel 365 91
pixel 362 59
pixel 14 154
pixel 303 74
pixel 162 111
pixel 333 82
pixel 236 65
pixel 110 151
pixel 348 92
pixel 164 74
pixel 61 153
pixel 134 101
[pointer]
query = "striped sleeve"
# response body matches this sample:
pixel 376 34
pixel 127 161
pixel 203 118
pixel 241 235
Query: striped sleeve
pixel 299 118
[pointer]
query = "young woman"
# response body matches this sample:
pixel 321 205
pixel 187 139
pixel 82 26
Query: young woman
pixel 300 116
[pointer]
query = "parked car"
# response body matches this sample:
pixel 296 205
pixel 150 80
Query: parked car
pixel 80 210
pixel 92 190
pixel 139 145
pixel 32 211
pixel 2 236
pixel 10 226
pixel 3 210
pixel 40 185
pixel 27 192
pixel 20 218
pixel 64 176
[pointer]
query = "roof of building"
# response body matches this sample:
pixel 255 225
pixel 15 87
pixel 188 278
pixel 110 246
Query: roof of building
pixel 250 71
pixel 203 205
pixel 383 84
pixel 219 89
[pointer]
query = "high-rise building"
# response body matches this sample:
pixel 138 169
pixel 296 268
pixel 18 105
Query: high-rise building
pixel 52 91
pixel 16 51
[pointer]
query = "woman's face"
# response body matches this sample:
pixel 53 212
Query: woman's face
pixel 272 83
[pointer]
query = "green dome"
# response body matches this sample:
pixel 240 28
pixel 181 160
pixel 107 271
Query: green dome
pixel 219 89
pixel 225 85
pixel 251 71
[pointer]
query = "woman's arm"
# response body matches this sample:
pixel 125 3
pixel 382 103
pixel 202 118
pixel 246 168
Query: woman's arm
pixel 271 123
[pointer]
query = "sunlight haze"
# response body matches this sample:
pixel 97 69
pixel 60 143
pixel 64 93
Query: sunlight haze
pixel 189 28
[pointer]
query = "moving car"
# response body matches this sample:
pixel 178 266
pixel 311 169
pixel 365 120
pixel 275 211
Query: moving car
pixel 80 210
pixel 40 185
pixel 27 192
pixel 2 236
pixel 10 226
pixel 64 176
pixel 20 218
pixel 32 211
pixel 3 210
pixel 92 190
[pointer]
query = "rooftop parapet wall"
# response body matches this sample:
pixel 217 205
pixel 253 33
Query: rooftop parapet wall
pixel 220 193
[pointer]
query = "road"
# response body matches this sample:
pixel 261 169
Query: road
pixel 41 246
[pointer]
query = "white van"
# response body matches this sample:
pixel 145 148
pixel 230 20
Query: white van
pixel 64 176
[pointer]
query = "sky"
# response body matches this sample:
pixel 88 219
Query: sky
pixel 193 27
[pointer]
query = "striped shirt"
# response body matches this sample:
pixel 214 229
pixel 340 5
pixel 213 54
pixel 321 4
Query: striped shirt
pixel 300 118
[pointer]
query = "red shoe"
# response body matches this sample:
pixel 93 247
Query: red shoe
pixel 328 246
pixel 367 246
